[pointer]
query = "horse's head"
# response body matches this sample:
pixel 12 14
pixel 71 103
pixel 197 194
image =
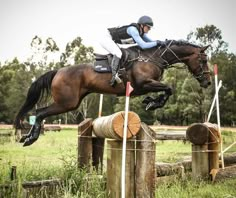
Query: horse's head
pixel 197 65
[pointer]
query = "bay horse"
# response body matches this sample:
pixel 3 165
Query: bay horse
pixel 69 85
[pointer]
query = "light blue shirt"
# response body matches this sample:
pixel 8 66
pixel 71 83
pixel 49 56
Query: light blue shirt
pixel 144 42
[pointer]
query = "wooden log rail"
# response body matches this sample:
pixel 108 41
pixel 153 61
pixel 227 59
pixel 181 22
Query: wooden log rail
pixel 52 128
pixel 6 134
pixel 113 126
pixel 171 135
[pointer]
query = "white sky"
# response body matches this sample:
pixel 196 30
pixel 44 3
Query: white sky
pixel 64 20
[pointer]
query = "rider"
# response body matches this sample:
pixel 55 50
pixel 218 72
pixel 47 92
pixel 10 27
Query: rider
pixel 128 34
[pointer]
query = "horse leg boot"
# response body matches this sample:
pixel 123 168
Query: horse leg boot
pixel 114 68
pixel 34 133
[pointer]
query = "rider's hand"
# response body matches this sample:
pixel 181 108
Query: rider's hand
pixel 160 43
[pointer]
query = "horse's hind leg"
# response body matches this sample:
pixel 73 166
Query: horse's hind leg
pixel 24 137
pixel 42 113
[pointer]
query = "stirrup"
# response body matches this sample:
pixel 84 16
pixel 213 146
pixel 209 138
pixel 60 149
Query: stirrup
pixel 117 78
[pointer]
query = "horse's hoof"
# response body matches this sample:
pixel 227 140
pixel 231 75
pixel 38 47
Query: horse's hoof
pixel 23 138
pixel 147 100
pixel 151 106
pixel 28 142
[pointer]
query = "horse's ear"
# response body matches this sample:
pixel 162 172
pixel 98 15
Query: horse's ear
pixel 203 49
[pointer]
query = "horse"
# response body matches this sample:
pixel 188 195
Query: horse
pixel 69 85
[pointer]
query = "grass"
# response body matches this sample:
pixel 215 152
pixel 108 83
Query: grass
pixel 54 156
pixel 188 188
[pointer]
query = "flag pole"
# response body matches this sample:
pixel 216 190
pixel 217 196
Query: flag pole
pixel 129 89
pixel 218 114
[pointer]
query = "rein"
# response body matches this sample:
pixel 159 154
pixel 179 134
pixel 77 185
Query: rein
pixel 168 65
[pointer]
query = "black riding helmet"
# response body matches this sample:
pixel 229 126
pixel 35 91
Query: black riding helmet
pixel 146 20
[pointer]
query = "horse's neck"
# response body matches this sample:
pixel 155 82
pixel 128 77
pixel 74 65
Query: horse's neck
pixel 177 54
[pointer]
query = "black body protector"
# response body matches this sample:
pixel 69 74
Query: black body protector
pixel 120 35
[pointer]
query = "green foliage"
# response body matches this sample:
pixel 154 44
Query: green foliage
pixel 209 35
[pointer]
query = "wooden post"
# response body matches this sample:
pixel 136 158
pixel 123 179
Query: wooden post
pixel 145 163
pixel 200 162
pixel 198 134
pixel 213 147
pixel 85 143
pixel 114 158
pixel 97 155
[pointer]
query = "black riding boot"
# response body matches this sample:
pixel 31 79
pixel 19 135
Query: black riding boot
pixel 114 67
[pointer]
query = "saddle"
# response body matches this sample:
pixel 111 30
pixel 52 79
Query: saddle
pixel 102 62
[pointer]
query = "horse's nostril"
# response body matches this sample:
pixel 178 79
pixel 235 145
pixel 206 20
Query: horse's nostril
pixel 209 83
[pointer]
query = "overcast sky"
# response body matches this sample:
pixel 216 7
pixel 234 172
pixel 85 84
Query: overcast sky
pixel 64 20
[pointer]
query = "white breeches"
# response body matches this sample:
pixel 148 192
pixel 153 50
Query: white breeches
pixel 109 45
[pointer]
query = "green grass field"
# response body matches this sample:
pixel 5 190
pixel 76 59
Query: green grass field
pixel 54 155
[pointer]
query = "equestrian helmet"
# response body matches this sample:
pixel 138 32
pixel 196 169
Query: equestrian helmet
pixel 146 20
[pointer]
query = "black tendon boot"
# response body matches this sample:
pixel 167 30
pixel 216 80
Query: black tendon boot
pixel 114 67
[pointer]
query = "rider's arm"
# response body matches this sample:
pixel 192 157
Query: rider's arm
pixel 147 38
pixel 133 32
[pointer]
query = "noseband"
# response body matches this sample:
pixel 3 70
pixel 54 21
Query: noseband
pixel 202 61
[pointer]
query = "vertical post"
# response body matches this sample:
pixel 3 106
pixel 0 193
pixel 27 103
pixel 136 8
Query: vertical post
pixel 198 135
pixel 200 162
pixel 114 158
pixel 145 163
pixel 85 143
pixel 218 113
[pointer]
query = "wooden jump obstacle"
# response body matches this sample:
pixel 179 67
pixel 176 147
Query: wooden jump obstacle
pixel 140 153
pixel 205 139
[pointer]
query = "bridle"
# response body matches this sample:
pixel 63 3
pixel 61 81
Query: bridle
pixel 202 61
pixel 200 75
pixel 167 65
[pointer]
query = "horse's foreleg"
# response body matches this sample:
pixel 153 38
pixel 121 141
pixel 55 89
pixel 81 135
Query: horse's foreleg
pixel 155 86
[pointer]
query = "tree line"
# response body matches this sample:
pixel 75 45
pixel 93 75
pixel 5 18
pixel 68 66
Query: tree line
pixel 189 103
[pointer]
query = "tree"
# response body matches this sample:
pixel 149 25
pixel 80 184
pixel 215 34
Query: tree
pixel 208 35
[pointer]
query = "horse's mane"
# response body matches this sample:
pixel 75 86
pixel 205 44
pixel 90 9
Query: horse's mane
pixel 167 42
pixel 181 43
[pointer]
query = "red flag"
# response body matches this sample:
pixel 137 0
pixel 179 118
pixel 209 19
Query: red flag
pixel 215 69
pixel 129 89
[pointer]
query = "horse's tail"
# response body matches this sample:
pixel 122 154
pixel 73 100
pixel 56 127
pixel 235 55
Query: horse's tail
pixel 35 92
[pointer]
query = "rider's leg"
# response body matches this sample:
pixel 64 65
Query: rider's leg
pixel 114 69
pixel 108 44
